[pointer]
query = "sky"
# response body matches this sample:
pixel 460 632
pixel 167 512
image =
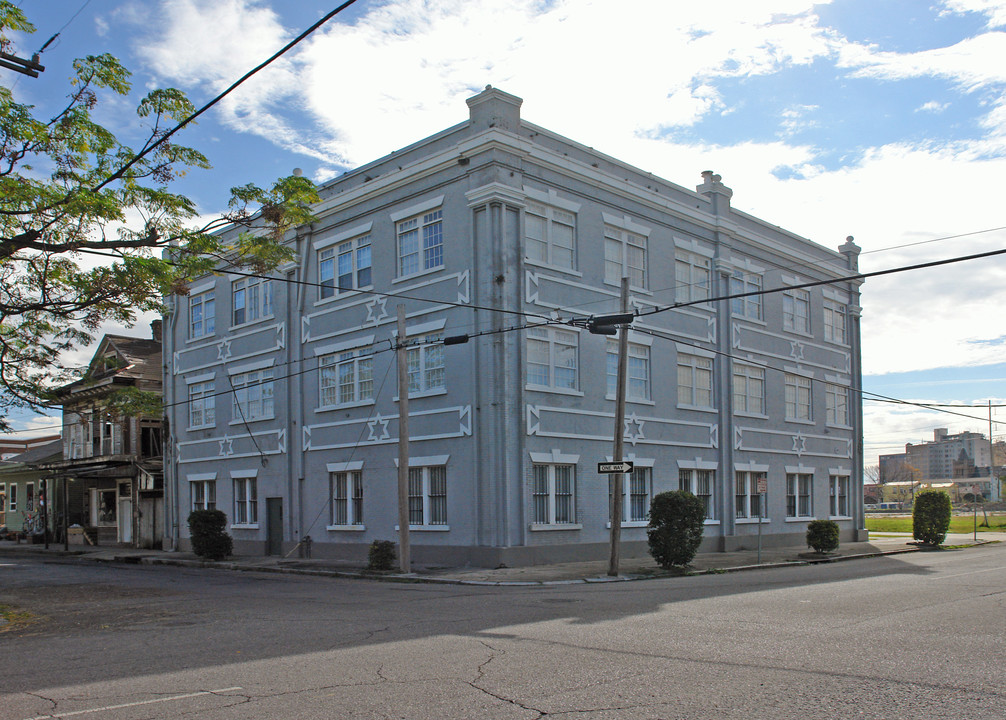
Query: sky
pixel 880 119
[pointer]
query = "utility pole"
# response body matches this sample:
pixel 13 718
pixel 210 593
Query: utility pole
pixel 993 480
pixel 30 68
pixel 618 478
pixel 404 562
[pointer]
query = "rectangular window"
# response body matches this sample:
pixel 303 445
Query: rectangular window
pixel 420 243
pixel 344 267
pixel 204 494
pixel 552 358
pixel 201 314
pixel 749 389
pixel 834 322
pixel 3 500
pixel 425 363
pixel 798 495
pixel 550 235
pixel 553 494
pixel 347 498
pixel 837 404
pixel 839 485
pixel 691 277
pixel 636 495
pixel 245 501
pixel 695 381
pixel 637 379
pixel 798 397
pixel 624 254
pixel 699 483
pixel 796 310
pixel 747 500
pixel 202 404
pixel 346 377
pixel 428 495
pixel 29 497
pixel 251 300
pixel 12 500
pixel 750 306
pixel 253 395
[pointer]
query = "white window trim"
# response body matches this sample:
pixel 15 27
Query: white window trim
pixel 750 468
pixel 421 462
pixel 832 474
pixel 251 367
pixel 344 467
pixel 244 475
pixel 551 367
pixel 647 463
pixel 344 235
pixel 417 209
pixel 551 460
pixel 552 198
pixel 193 379
pixel 699 464
pixel 800 469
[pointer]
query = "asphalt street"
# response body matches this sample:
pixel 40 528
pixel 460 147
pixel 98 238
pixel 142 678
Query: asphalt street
pixel 904 636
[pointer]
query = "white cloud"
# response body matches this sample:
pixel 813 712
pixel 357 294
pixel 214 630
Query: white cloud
pixel 995 10
pixel 932 107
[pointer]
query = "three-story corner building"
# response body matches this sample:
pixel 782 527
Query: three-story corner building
pixel 282 392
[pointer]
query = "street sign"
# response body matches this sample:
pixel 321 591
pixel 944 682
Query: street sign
pixel 762 486
pixel 607 468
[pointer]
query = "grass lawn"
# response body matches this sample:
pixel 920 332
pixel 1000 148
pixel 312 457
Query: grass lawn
pixel 958 524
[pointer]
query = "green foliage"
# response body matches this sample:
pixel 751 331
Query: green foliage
pixel 381 555
pixel 675 529
pixel 69 186
pixel 206 530
pixel 931 516
pixel 822 535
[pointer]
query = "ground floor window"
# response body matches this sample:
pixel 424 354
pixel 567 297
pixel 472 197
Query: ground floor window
pixel 204 494
pixel 553 494
pixel 428 495
pixel 839 495
pixel 699 483
pixel 347 498
pixel 104 509
pixel 245 501
pixel 636 489
pixel 799 495
pixel 747 500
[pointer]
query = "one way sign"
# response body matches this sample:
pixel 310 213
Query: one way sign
pixel 607 468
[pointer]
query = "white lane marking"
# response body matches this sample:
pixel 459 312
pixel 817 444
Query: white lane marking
pixel 970 572
pixel 133 704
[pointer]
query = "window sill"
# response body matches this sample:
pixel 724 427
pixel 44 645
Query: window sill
pixel 840 517
pixel 543 527
pixel 753 416
pixel 796 421
pixel 244 526
pixel 197 428
pixel 256 321
pixel 201 338
pixel 801 333
pixel 631 400
pixel 838 427
pixel 346 528
pixel 629 524
pixel 413 276
pixel 632 288
pixel 345 406
pixel 698 408
pixel 427 528
pixel 710 522
pixel 752 521
pixel 555 391
pixel 554 268
pixel 745 318
pixel 805 519
pixel 242 421
pixel 838 343
pixel 424 393
pixel 345 294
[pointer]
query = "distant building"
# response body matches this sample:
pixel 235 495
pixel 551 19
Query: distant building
pixel 281 391
pixel 11 445
pixel 939 457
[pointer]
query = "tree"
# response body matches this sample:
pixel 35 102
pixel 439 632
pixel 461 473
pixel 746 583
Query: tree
pixel 70 191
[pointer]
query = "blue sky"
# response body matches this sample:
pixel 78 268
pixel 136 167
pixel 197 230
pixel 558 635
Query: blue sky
pixel 882 119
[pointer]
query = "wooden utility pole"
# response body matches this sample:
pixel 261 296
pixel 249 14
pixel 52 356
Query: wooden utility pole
pixel 404 562
pixel 617 478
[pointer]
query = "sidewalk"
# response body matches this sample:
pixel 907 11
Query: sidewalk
pixel 561 573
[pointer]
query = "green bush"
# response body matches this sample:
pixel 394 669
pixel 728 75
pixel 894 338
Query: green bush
pixel 206 530
pixel 931 516
pixel 822 535
pixel 675 529
pixel 381 555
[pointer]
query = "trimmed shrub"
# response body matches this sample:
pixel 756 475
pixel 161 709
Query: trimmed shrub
pixel 675 528
pixel 931 516
pixel 822 535
pixel 381 555
pixel 206 529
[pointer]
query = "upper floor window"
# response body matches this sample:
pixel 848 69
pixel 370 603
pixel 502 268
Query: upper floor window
pixel 253 395
pixel 624 254
pixel 798 397
pixel 345 266
pixel 695 381
pixel 552 358
pixel 426 364
pixel 691 277
pixel 551 234
pixel 834 322
pixel 346 377
pixel 749 389
pixel 420 243
pixel 202 404
pixel 796 310
pixel 251 300
pixel 837 403
pixel 637 378
pixel 750 306
pixel 201 314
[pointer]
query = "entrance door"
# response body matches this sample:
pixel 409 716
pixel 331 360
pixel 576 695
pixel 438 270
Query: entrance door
pixel 274 526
